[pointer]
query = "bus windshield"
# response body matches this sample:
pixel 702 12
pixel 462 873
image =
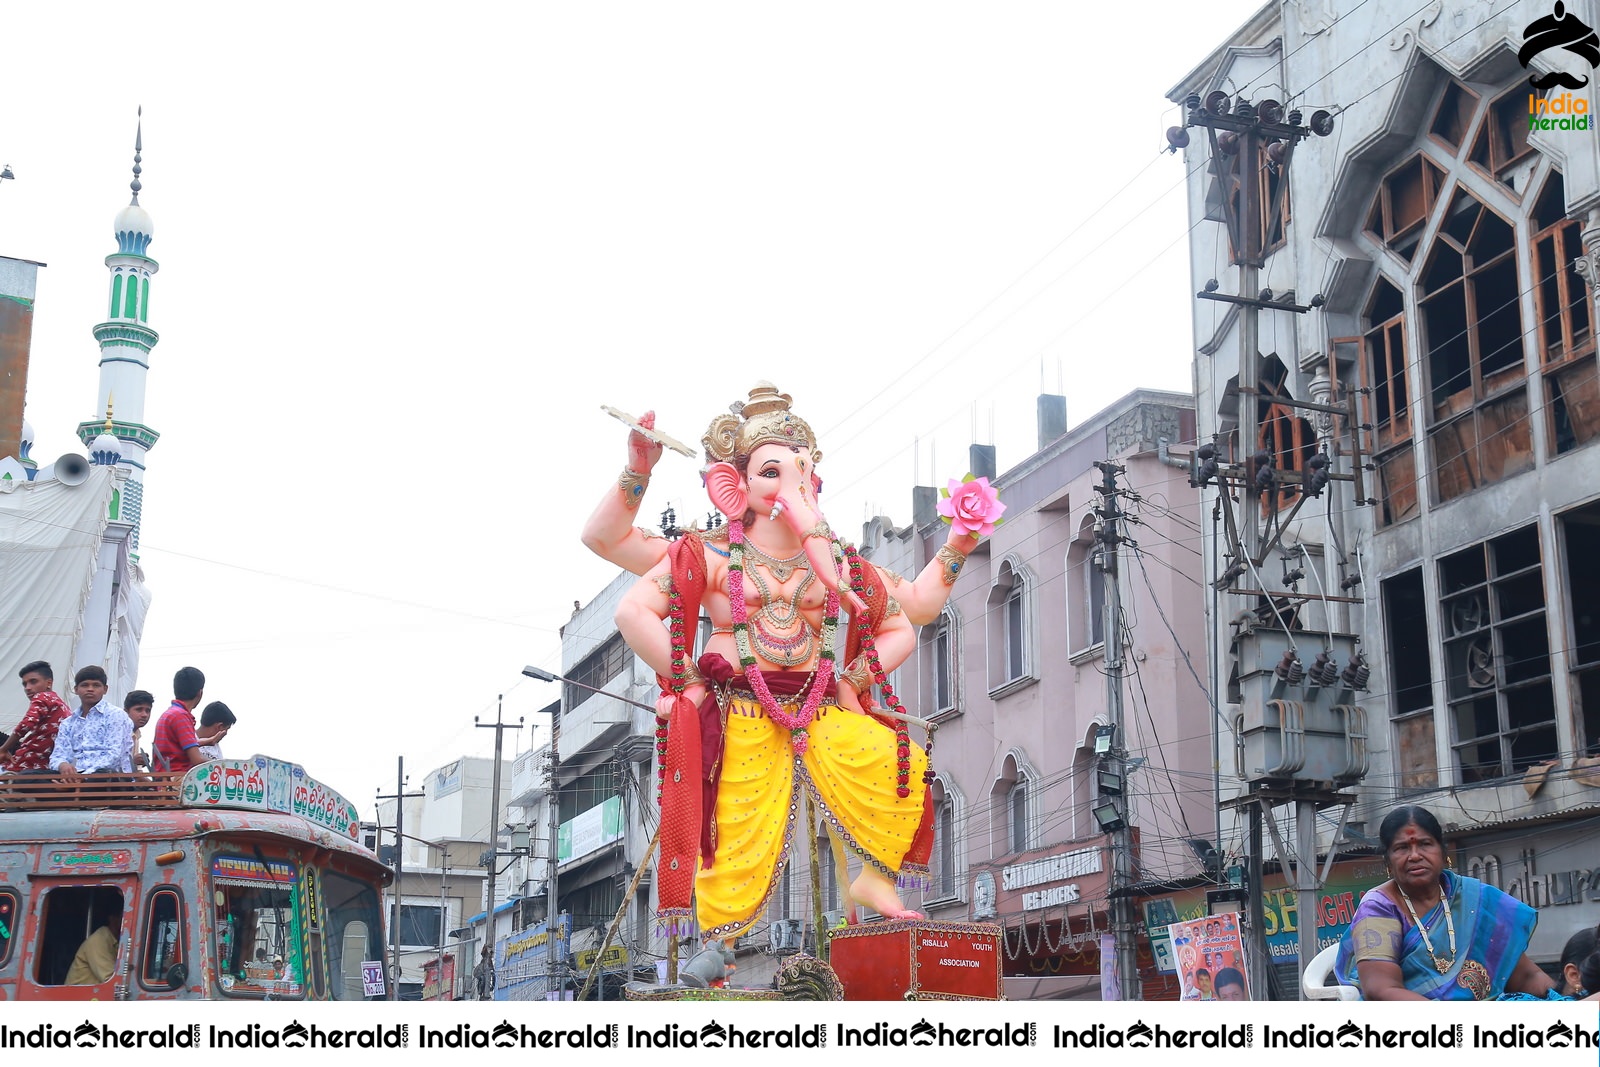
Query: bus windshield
pixel 354 935
pixel 257 924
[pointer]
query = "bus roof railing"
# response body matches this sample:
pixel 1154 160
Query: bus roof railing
pixel 258 784
pixel 44 791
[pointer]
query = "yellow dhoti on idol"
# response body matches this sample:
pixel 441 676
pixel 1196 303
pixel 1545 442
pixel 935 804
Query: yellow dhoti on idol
pixel 849 772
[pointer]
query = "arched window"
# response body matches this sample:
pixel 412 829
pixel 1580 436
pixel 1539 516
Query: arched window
pixel 1086 591
pixel 1084 784
pixel 1010 629
pixel 116 293
pixel 1566 325
pixel 1387 402
pixel 1446 224
pixel 1017 813
pixel 1014 805
pixel 1285 436
pixel 947 866
pixel 940 659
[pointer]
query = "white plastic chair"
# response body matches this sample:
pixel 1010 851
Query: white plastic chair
pixel 1315 980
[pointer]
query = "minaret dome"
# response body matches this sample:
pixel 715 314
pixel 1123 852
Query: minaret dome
pixel 134 227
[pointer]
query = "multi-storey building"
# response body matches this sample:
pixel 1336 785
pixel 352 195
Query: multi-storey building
pixel 447 830
pixel 604 817
pixel 1445 214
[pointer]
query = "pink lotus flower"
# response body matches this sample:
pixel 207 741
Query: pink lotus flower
pixel 971 505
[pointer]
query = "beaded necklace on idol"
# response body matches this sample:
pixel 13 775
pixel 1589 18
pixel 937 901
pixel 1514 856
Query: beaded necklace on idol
pixel 779 628
pixel 796 723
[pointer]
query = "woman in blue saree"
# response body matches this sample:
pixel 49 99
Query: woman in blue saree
pixel 1431 934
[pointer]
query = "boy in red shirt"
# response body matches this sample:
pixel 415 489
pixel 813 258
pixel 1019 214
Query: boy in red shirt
pixel 176 746
pixel 29 746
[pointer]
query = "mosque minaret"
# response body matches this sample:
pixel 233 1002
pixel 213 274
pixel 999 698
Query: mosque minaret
pixel 126 340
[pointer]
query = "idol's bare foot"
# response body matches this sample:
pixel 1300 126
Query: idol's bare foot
pixel 877 892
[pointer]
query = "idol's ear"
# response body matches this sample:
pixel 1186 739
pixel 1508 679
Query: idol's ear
pixel 727 490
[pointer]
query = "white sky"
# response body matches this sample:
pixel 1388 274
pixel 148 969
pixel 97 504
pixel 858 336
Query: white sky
pixel 407 253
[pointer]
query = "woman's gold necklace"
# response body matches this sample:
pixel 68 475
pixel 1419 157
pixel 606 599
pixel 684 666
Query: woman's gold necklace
pixel 1440 964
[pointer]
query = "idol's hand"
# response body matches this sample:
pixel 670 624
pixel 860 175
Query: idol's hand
pixel 643 453
pixel 850 700
pixel 666 703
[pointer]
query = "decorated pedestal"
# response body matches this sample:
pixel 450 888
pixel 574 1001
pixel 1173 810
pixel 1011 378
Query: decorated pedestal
pixel 917 960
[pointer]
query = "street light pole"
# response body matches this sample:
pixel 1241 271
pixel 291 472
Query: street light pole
pixel 444 875
pixel 499 729
pixel 553 805
pixel 399 799
pixel 543 675
pixel 1110 534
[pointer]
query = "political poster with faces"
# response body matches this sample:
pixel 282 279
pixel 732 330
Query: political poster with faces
pixel 1209 953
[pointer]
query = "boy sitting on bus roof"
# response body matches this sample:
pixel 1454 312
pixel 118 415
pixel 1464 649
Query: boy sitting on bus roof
pixel 97 737
pixel 138 704
pixel 30 744
pixel 215 722
pixel 177 747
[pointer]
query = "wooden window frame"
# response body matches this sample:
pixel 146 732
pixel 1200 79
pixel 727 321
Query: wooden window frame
pixel 1470 112
pixel 1474 625
pixel 1381 222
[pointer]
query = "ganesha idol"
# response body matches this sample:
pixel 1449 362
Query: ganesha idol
pixel 768 723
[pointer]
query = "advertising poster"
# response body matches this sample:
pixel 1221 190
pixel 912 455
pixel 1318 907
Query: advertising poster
pixel 1336 905
pixel 1209 955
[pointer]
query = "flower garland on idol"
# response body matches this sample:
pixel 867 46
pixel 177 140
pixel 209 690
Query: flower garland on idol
pixel 796 724
pixel 869 646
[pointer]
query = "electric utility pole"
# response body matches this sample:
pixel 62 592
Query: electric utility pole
pixel 1252 145
pixel 493 855
pixel 1115 784
pixel 399 798
pixel 444 877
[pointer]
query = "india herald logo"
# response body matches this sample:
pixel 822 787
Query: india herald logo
pixel 1560 29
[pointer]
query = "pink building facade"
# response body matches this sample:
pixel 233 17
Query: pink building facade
pixel 1014 675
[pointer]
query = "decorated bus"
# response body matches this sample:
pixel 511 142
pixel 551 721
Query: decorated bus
pixel 236 879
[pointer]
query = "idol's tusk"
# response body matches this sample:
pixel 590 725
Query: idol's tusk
pixel 777 509
pixel 903 717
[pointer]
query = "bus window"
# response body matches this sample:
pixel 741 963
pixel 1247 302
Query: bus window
pixel 78 939
pixel 10 913
pixel 165 963
pixel 353 934
pixel 257 925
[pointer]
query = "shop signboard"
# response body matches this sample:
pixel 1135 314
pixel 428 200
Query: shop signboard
pixel 591 831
